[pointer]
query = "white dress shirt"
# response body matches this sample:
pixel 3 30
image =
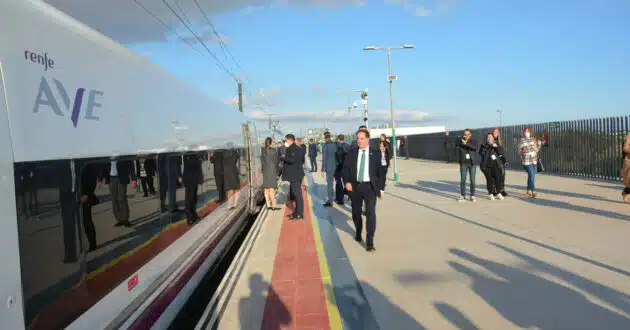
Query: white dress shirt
pixel 366 173
pixel 114 170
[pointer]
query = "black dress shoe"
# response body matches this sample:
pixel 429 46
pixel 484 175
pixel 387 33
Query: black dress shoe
pixel 358 238
pixel 327 204
pixel 370 249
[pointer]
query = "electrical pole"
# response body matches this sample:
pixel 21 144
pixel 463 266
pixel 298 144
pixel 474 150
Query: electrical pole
pixel 500 111
pixel 364 96
pixel 391 78
pixel 240 96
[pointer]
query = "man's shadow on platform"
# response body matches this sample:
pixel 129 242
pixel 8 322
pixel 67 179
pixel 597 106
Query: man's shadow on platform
pixel 358 313
pixel 275 314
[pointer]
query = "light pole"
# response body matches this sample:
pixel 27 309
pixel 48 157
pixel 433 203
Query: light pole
pixel 500 111
pixel 364 97
pixel 391 78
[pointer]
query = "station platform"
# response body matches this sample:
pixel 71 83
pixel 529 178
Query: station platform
pixel 560 261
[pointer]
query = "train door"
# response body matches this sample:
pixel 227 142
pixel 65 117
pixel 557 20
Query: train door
pixel 11 309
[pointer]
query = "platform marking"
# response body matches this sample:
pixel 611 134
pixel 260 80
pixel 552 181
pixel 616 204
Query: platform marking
pixel 334 317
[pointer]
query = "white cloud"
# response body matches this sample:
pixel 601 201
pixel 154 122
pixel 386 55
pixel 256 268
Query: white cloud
pixel 343 116
pixel 420 7
pixel 127 22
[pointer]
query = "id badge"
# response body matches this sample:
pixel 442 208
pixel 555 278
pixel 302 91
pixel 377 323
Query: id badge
pixel 493 157
pixel 467 156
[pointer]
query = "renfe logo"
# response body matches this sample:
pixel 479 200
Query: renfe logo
pixel 45 97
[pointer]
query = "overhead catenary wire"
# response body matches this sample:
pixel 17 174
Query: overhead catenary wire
pixel 218 62
pixel 168 27
pixel 219 38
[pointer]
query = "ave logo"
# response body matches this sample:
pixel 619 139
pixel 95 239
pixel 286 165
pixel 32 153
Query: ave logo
pixel 46 99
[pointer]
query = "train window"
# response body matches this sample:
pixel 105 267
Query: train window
pixel 119 221
pixel 228 174
pixel 78 242
pixel 50 246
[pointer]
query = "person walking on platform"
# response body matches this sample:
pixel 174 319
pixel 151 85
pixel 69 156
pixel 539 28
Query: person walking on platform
pixel 342 149
pixel 528 148
pixel 496 133
pixel 294 173
pixel 312 155
pixel 625 173
pixel 467 149
pixel 386 157
pixel 491 166
pixel 361 176
pixel 329 165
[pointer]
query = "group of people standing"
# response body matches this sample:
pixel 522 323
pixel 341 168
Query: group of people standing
pixel 492 162
pixel 356 170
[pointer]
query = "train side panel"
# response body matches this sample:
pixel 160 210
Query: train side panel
pixel 74 99
pixel 77 88
pixel 11 287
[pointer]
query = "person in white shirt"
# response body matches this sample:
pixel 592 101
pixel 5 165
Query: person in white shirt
pixel 361 175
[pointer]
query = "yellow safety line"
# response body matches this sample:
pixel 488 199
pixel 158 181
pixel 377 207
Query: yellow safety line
pixel 133 251
pixel 334 318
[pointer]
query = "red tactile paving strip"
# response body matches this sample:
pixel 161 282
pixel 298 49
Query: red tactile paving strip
pixel 296 294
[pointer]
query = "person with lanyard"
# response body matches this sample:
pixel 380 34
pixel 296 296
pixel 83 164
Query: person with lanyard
pixel 361 176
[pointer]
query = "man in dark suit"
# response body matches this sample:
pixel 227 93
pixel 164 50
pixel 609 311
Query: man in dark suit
pixel 294 173
pixel 303 150
pixel 361 177
pixel 170 176
pixel 312 154
pixel 193 177
pixel 145 170
pixel 120 173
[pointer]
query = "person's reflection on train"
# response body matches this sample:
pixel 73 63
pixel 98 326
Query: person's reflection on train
pixel 193 177
pixel 69 209
pixel 89 177
pixel 146 172
pixel 232 182
pixel 120 174
pixel 26 191
pixel 170 173
pixel 216 158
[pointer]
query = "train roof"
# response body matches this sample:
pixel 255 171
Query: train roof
pixel 72 92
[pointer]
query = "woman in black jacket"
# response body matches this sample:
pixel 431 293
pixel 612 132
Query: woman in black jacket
pixel 386 157
pixel 492 166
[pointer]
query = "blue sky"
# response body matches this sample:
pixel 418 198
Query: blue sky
pixel 537 60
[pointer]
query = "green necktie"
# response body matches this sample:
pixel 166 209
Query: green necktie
pixel 362 167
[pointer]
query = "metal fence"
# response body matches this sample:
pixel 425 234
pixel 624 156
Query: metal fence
pixel 588 147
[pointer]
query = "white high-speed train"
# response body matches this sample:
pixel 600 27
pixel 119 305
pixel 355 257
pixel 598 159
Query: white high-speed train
pixel 81 120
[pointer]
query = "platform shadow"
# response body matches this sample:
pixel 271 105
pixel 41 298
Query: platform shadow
pixel 454 316
pixel 521 238
pixel 364 307
pixel 276 316
pixel 528 300
pixel 565 193
pixel 613 297
pixel 448 186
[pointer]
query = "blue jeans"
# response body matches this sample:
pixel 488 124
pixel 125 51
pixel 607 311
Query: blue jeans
pixel 464 169
pixel 531 176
